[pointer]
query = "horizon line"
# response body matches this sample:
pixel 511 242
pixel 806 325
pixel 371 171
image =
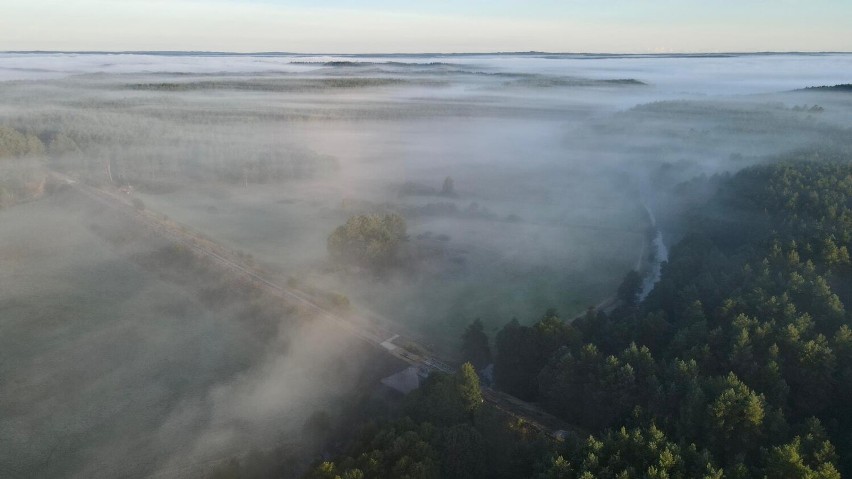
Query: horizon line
pixel 482 53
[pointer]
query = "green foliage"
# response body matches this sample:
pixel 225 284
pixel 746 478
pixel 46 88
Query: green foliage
pixel 467 384
pixel 404 450
pixel 518 360
pixel 475 348
pixel 631 286
pixel 743 341
pixel 370 241
pixel 736 418
pixel 14 144
pixel 445 399
pixel 786 461
pixel 463 453
pixel 522 351
pixel 636 453
pixel 436 440
pixel 593 390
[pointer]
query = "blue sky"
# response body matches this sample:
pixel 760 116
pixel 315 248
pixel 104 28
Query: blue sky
pixel 351 26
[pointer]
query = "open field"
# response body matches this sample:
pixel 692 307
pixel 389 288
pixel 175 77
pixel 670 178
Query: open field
pixel 113 367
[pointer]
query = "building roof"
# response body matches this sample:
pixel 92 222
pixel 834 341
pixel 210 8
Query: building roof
pixel 404 381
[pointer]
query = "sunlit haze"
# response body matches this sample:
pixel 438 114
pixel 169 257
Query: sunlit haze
pixel 345 26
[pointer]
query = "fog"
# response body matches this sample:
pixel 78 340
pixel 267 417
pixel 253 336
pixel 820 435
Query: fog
pixel 115 365
pixel 568 171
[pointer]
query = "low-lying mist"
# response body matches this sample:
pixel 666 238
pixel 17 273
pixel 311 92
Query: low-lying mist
pixel 119 357
pixel 525 182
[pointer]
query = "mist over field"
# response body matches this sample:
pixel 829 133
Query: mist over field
pixel 526 182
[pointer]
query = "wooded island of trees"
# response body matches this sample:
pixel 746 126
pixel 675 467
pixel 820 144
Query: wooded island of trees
pixel 368 241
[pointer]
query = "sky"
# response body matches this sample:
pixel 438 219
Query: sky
pixel 416 26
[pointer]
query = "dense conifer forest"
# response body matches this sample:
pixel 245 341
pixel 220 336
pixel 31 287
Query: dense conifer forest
pixel 737 365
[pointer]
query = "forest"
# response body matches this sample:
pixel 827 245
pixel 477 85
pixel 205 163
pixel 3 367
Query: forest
pixel 461 209
pixel 737 365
